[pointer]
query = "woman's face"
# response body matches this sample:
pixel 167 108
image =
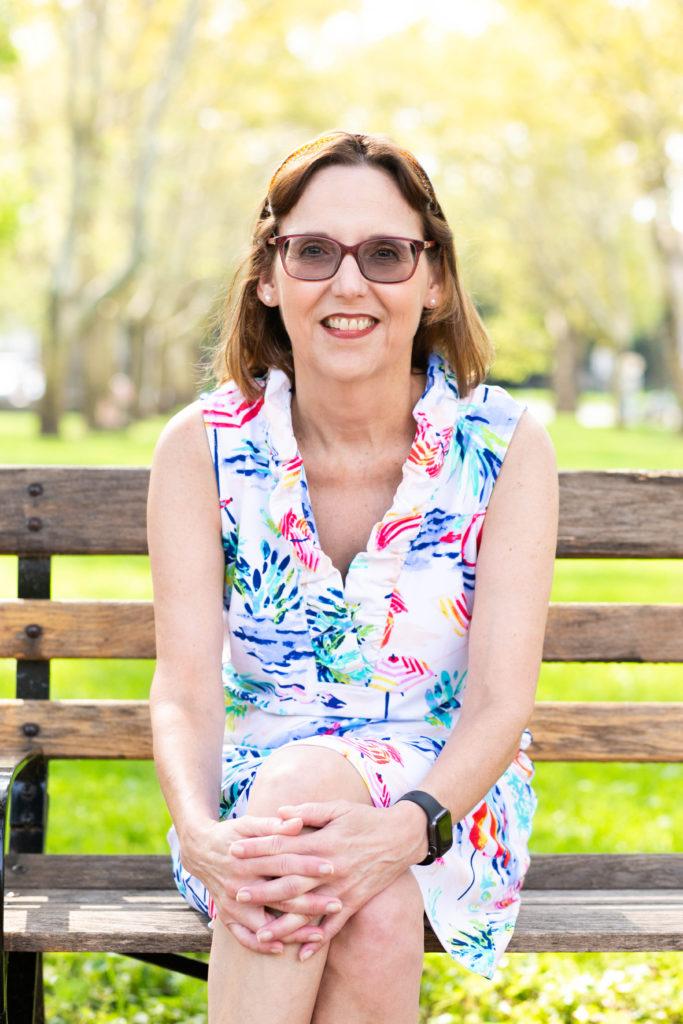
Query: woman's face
pixel 351 204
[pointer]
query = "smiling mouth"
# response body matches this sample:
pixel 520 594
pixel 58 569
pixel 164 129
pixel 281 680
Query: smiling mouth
pixel 348 324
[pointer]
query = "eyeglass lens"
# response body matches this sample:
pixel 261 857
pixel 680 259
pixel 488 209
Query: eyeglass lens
pixel 312 258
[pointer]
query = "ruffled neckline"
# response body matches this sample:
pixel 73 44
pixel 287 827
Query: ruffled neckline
pixel 365 597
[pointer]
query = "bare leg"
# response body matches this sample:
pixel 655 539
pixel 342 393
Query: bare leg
pixel 374 966
pixel 245 986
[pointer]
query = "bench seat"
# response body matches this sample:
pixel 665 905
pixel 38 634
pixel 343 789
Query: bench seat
pixel 129 904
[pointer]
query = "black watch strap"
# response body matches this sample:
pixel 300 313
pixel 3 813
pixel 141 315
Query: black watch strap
pixel 433 809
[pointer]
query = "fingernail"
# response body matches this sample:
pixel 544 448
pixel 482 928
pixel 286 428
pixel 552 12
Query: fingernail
pixel 315 937
pixel 236 848
pixel 276 949
pixel 333 907
pixel 305 956
pixel 288 821
pixel 326 869
pixel 243 896
pixel 264 935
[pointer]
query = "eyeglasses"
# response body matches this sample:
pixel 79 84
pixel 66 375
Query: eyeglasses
pixel 317 258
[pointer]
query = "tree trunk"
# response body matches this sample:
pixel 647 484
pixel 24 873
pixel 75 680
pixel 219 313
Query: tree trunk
pixel 134 330
pixel 53 358
pixel 670 248
pixel 565 368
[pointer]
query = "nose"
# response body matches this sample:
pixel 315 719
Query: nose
pixel 348 280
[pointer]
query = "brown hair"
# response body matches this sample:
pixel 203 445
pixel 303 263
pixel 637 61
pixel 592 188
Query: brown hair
pixel 252 337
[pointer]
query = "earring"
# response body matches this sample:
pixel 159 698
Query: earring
pixel 433 302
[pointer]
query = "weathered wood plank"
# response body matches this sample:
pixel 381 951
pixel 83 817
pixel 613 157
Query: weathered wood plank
pixel 607 731
pixel 73 509
pixel 588 872
pixel 82 920
pixel 607 513
pixel 604 871
pixel 64 920
pixel 627 921
pixel 624 631
pixel 562 730
pixel 88 509
pixel 39 630
pixel 74 729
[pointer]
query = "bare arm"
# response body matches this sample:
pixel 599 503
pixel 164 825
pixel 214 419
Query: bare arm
pixel 187 561
pixel 514 578
pixel 186 698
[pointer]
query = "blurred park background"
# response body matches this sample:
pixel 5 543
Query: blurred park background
pixel 137 139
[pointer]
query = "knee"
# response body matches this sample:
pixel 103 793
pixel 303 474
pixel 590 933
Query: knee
pixel 294 775
pixel 392 921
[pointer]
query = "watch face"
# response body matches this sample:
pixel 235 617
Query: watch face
pixel 444 830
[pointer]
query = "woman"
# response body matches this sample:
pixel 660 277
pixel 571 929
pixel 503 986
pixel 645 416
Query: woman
pixel 315 569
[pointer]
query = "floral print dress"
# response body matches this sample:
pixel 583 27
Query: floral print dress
pixel 375 666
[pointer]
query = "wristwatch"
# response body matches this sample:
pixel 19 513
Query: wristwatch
pixel 439 824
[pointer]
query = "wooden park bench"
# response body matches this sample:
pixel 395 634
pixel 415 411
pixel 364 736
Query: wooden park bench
pixel 129 904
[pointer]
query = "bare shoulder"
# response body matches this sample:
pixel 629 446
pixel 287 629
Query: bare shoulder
pixel 184 432
pixel 530 457
pixel 526 491
pixel 182 448
pixel 531 442
pixel 182 479
pixel 185 549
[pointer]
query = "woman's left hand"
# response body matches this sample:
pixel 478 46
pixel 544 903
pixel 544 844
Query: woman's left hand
pixel 370 848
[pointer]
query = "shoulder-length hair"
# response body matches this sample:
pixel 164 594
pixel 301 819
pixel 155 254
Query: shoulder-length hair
pixel 252 337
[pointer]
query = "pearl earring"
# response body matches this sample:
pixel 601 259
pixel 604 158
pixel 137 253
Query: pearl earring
pixel 433 302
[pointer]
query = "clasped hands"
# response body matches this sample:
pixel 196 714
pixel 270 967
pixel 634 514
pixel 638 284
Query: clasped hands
pixel 355 852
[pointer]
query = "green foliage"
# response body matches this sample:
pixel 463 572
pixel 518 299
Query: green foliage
pixel 556 988
pixel 8 53
pixel 9 220
pixel 545 128
pixel 103 988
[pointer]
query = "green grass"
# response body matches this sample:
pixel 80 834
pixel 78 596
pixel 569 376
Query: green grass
pixel 21 444
pixel 104 807
pixel 608 448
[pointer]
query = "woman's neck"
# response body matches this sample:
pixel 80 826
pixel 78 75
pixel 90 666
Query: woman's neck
pixel 335 419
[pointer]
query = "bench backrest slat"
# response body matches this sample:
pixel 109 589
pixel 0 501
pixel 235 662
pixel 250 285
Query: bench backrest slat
pixel 562 730
pixel 102 510
pixel 38 630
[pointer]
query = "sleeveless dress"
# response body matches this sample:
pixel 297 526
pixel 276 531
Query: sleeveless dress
pixel 374 667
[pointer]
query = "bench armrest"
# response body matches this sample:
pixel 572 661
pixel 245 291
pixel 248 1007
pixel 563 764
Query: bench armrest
pixel 12 763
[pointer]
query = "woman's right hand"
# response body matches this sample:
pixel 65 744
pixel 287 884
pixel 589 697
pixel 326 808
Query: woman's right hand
pixel 207 856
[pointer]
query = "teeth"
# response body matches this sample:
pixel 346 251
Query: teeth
pixel 340 323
